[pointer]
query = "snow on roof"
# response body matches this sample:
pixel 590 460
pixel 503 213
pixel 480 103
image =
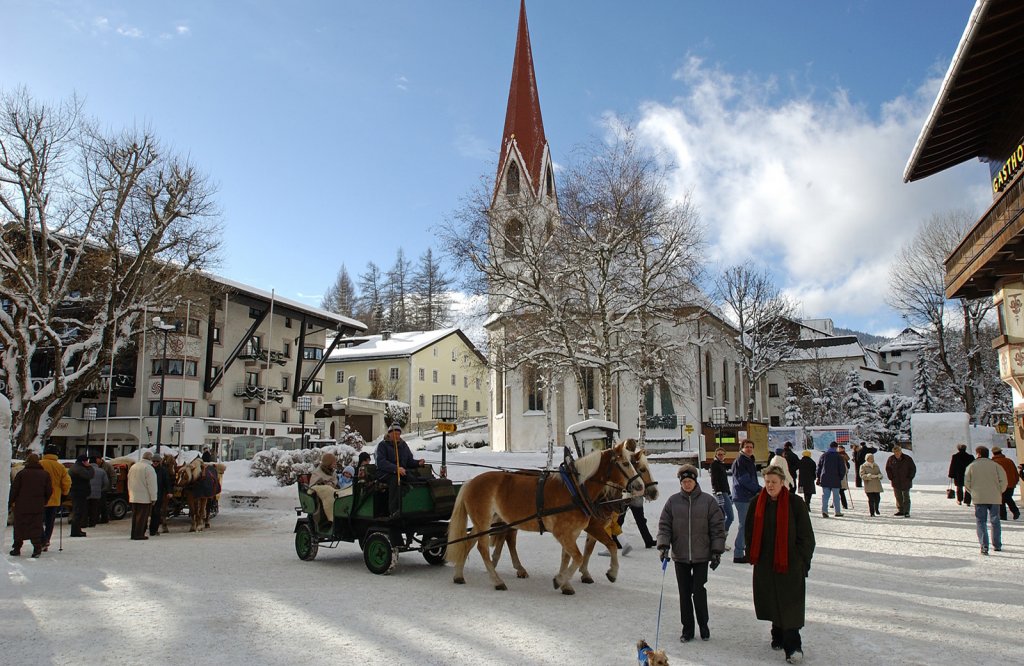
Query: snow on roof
pixel 907 340
pixel 294 305
pixel 397 345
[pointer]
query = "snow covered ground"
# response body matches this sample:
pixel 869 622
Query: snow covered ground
pixel 881 590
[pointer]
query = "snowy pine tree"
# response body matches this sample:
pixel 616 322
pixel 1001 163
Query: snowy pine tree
pixel 924 398
pixel 793 415
pixel 860 410
pixel 894 414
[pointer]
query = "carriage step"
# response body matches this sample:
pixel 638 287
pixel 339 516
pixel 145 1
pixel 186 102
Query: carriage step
pixel 247 501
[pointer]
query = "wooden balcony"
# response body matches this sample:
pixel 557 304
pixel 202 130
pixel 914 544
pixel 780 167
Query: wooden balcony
pixel 993 249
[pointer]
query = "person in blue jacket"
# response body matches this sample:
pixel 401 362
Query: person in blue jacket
pixel 394 460
pixel 745 488
pixel 831 472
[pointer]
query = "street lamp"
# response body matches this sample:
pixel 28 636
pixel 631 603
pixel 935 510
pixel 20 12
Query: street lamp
pixel 176 428
pixel 719 418
pixel 160 326
pixel 89 414
pixel 303 404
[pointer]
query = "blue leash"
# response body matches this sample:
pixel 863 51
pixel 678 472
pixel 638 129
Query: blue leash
pixel 657 628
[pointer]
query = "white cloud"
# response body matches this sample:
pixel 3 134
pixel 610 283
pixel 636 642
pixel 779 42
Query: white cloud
pixel 812 189
pixel 129 31
pixel 401 82
pixel 468 144
pixel 101 23
pixel 182 30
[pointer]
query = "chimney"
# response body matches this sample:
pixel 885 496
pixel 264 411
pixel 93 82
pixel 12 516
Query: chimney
pixel 385 335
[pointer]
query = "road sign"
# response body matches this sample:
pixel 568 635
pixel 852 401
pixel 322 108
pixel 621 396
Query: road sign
pixel 446 427
pixel 689 429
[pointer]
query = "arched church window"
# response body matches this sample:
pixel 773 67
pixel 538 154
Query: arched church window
pixel 549 180
pixel 512 180
pixel 513 237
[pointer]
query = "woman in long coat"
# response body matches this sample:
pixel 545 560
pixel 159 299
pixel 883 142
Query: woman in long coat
pixel 30 491
pixel 872 477
pixel 808 476
pixel 781 546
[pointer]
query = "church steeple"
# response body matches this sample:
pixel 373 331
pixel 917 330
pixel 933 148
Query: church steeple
pixel 523 138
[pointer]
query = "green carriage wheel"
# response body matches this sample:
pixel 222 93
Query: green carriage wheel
pixel 379 555
pixel 306 544
pixel 435 556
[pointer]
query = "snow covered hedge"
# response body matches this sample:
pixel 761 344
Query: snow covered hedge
pixel 288 465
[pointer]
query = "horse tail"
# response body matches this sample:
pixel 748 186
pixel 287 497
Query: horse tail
pixel 458 544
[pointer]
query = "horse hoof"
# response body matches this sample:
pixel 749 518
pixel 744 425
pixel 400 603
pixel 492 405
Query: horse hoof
pixel 611 578
pixel 588 580
pixel 192 530
pixel 522 574
pixel 459 581
pixel 501 587
pixel 568 590
pixel 554 583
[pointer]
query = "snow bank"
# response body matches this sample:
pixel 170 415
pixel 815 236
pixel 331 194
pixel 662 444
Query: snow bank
pixel 935 436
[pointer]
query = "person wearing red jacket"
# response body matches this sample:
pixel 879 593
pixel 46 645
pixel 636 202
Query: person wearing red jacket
pixel 1012 477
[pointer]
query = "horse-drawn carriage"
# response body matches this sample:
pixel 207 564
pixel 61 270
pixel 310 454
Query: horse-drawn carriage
pixel 362 516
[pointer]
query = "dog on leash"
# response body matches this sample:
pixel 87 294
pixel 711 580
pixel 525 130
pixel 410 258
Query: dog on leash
pixel 648 656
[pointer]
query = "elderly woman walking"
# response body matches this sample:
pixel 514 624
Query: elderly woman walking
pixel 872 478
pixel 781 546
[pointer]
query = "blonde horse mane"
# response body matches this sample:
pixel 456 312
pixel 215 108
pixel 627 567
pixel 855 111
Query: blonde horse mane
pixel 587 466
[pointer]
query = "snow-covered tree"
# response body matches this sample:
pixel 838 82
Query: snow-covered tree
pixel 398 292
pixel 761 313
pixel 859 410
pixel 793 416
pixel 96 228
pixel 894 412
pixel 924 375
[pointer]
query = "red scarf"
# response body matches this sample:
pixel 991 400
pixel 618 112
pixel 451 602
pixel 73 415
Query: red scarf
pixel 781 561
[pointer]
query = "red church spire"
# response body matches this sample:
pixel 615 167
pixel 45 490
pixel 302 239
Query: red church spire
pixel 523 123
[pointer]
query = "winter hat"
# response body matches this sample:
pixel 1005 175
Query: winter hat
pixel 395 428
pixel 349 469
pixel 51 450
pixel 807 454
pixel 870 458
pixel 687 472
pixel 81 458
pixel 778 452
pixel 833 445
pixel 364 456
pixel 157 457
pixel 996 450
pixel 328 460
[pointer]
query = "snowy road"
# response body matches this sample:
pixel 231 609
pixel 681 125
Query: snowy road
pixel 882 590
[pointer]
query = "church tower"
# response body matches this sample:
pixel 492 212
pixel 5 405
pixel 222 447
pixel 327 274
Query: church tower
pixel 523 212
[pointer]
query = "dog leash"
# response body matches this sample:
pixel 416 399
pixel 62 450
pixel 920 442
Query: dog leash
pixel 661 598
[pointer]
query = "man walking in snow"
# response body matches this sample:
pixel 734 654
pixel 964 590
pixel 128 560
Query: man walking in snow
pixel 745 488
pixel 1012 477
pixel 900 470
pixel 986 481
pixel 831 472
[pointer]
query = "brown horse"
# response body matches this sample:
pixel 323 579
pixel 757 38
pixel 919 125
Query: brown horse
pixel 197 487
pixel 596 529
pixel 512 498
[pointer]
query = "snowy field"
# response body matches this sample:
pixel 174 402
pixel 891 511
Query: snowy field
pixel 881 591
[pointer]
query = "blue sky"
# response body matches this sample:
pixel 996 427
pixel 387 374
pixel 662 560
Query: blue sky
pixel 339 131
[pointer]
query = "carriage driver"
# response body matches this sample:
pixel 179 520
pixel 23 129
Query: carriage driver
pixel 394 459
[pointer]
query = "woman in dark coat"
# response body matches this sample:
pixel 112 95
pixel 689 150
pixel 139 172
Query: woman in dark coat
pixel 808 476
pixel 781 546
pixel 957 468
pixel 30 491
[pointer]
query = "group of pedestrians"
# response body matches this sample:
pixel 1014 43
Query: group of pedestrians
pixel 988 483
pixel 775 536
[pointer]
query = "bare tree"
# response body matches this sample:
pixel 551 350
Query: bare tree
pixel 371 301
pixel 762 315
pixel 593 287
pixel 341 296
pixel 98 227
pixel 431 293
pixel 397 289
pixel 917 290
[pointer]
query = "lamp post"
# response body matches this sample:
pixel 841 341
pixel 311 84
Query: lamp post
pixel 89 414
pixel 160 326
pixel 718 419
pixel 176 429
pixel 303 404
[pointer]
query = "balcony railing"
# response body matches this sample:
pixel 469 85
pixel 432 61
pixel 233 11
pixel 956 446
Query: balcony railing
pixel 667 421
pixel 123 387
pixel 260 393
pixel 254 354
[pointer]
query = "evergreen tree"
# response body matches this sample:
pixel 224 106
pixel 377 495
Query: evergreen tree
pixel 924 399
pixel 431 289
pixel 399 279
pixel 859 410
pixel 370 305
pixel 341 296
pixel 793 415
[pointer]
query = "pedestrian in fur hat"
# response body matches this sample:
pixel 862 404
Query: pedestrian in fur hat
pixel 325 474
pixel 807 474
pixel 30 491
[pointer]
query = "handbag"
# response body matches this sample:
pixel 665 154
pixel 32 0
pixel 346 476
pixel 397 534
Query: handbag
pixel 950 493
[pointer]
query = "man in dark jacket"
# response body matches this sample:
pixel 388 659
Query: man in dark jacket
pixel 693 528
pixel 81 485
pixel 30 491
pixel 900 470
pixel 830 473
pixel 100 461
pixel 745 488
pixel 394 460
pixel 164 487
pixel 720 487
pixel 792 459
pixel 958 464
pixel 1012 478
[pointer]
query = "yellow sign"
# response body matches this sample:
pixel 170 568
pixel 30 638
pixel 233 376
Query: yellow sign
pixel 689 429
pixel 446 427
